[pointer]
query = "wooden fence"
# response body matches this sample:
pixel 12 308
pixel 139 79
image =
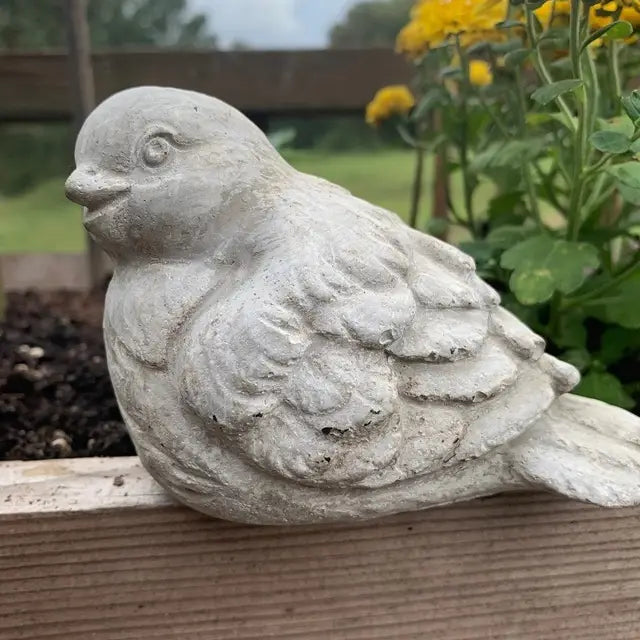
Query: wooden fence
pixel 36 86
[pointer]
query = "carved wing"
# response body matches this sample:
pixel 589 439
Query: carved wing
pixel 375 355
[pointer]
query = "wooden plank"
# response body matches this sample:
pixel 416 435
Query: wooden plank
pixel 130 565
pixel 35 86
pixel 46 271
pixel 81 484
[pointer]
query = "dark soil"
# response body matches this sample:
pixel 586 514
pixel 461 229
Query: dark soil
pixel 56 399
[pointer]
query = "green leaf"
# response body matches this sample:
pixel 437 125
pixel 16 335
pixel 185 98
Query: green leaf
pixel 627 177
pixel 606 387
pixel 530 4
pixel 507 235
pixel 631 105
pixel 572 263
pixel 505 154
pixel 516 57
pixel 610 141
pixel 450 72
pixel 554 35
pixel 509 24
pixel 533 286
pixel 543 264
pixel 433 98
pixel 437 226
pixel 502 48
pixel 621 124
pixel 480 251
pixel 571 332
pixel 579 358
pixel 561 64
pixel 549 92
pixel 618 30
pixel 620 305
pixel 617 342
pixel 506 208
pixel 527 253
pixel 537 119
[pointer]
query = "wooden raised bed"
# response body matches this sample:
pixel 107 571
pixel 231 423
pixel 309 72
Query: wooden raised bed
pixel 46 271
pixel 92 548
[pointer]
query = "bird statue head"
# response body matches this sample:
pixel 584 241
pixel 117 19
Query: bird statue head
pixel 160 171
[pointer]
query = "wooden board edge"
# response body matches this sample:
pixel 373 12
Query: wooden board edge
pixel 77 485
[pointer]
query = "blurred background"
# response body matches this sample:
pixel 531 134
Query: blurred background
pixel 302 70
pixel 312 106
pixel 310 74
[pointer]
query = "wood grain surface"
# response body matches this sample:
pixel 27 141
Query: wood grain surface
pixel 35 86
pixel 47 271
pixel 92 549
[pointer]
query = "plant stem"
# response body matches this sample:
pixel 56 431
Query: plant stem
pixel 416 190
pixel 541 66
pixel 594 168
pixel 574 37
pixel 452 208
pixel 549 188
pixel 617 279
pixel 555 306
pixel 412 142
pixel 613 63
pixel 597 199
pixel 3 299
pixel 593 99
pixel 495 118
pixel 580 138
pixel 464 138
pixel 526 169
pixel 439 208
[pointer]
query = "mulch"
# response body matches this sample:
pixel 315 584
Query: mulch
pixel 56 399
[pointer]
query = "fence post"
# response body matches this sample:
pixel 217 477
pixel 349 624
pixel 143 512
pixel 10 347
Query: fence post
pixel 84 95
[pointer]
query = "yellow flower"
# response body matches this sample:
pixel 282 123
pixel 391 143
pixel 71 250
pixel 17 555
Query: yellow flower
pixel 434 22
pixel 389 101
pixel 552 11
pixel 480 73
pixel 601 14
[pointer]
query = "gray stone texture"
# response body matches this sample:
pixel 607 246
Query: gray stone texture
pixel 284 352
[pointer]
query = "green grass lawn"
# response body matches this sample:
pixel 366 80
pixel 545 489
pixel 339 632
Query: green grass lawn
pixel 382 177
pixel 43 220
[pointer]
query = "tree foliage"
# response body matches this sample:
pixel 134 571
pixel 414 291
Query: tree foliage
pixel 38 24
pixel 374 23
pixel 36 152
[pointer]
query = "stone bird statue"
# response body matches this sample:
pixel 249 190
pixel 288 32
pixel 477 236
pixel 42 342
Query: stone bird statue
pixel 284 352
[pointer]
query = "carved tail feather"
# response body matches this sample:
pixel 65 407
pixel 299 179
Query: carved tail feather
pixel 584 449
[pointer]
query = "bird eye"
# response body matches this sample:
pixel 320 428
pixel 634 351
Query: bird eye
pixel 156 151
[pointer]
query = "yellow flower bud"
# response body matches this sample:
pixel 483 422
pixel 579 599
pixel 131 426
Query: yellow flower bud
pixel 389 101
pixel 480 73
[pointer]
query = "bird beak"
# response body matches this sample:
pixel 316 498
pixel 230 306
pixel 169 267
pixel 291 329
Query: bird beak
pixel 91 189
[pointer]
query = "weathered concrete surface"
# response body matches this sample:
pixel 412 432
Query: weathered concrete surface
pixel 284 352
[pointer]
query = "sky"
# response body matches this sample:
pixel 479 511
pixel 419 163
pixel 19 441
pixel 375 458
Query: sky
pixel 273 24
